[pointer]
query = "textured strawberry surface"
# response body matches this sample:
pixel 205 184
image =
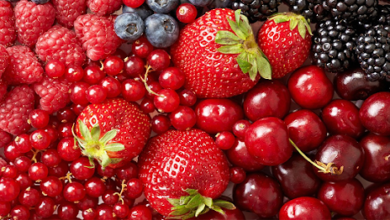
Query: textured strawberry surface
pixel 7 24
pixel 104 7
pixel 68 10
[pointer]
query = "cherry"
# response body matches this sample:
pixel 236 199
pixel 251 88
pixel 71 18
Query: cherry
pixel 9 189
pixel 96 94
pixel 160 124
pixel 167 100
pixel 134 188
pixel 310 87
pixel 29 197
pixel 51 158
pixel 105 212
pixel 74 191
pixel 22 163
pixel 376 203
pixel 82 168
pixel 22 143
pixel 39 139
pixel 10 171
pixel 95 187
pixel 133 90
pixel 67 149
pixel 186 13
pixel 225 140
pixel 74 73
pixel 66 115
pixel 38 118
pixel 344 197
pixel 113 65
pixel 375 113
pixel 110 197
pixel 78 93
pixel 51 186
pixel 52 132
pixel 107 172
pixel 134 66
pixel 121 210
pixel 11 152
pixel 296 177
pixel 45 207
pixel 183 118
pixel 38 171
pixel 87 202
pixel 267 139
pixel 141 47
pixel 237 175
pixel 187 97
pixel 217 115
pixel 147 106
pixel 77 109
pixel 20 212
pixel 55 68
pixel 267 99
pixel 127 172
pixel 23 180
pixel 239 129
pixel 344 154
pixel 239 156
pixel 5 208
pixel 306 129
pixel 140 212
pixel 342 117
pixel 67 210
pixel 171 78
pixel 93 74
pixel 155 87
pixel 60 170
pixel 112 87
pixel 304 208
pixel 259 194
pixel 90 214
pixel 158 59
pixel 353 85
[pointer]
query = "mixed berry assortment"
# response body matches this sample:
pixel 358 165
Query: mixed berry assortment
pixel 149 109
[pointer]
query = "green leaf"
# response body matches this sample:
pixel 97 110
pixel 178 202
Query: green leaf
pixel 184 199
pixel 179 207
pixel 82 143
pixel 91 163
pixel 231 49
pixel 280 18
pixel 237 14
pixel 237 30
pixel 208 201
pixel 105 159
pixel 253 70
pixel 191 192
pixel 245 24
pixel 293 24
pixel 218 209
pixel 245 66
pixel 199 209
pixel 109 135
pixel 194 202
pixel 226 38
pixel 307 25
pixel 179 212
pixel 95 132
pixel 174 202
pixel 84 131
pixel 224 204
pixel 264 68
pixel 302 30
pixel 114 147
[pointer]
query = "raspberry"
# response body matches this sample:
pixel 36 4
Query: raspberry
pixel 32 20
pixel 4 59
pixel 97 35
pixel 69 10
pixel 61 44
pixel 5 139
pixel 14 110
pixel 3 89
pixel 54 94
pixel 104 7
pixel 7 24
pixel 23 67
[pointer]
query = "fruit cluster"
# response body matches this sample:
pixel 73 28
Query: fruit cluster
pixel 149 109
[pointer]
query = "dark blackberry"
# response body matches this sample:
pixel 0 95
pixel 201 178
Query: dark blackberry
pixel 373 52
pixel 383 18
pixel 334 45
pixel 256 10
pixel 352 10
pixel 310 9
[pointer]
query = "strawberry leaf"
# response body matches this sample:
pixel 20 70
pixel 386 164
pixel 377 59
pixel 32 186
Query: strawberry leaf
pixel 244 65
pixel 208 201
pixel 264 68
pixel 218 209
pixel 95 132
pixel 84 131
pixel 293 24
pixel 226 38
pixel 231 49
pixel 109 135
pixel 224 204
pixel 237 30
pixel 174 202
pixel 302 30
pixel 237 15
pixel 105 159
pixel 114 147
pixel 194 202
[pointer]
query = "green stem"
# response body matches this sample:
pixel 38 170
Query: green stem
pixel 304 156
pixel 144 80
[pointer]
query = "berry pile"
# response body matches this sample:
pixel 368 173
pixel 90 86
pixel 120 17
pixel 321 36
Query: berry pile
pixel 149 109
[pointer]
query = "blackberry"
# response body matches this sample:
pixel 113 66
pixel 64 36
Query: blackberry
pixel 352 10
pixel 310 9
pixel 256 10
pixel 382 18
pixel 334 45
pixel 373 52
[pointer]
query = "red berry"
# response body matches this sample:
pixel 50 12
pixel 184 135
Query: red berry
pixel 121 210
pixel 112 86
pixel 82 168
pixel 141 47
pixel 74 73
pixel 183 118
pixel 11 152
pixel 22 143
pixel 186 13
pixel 39 139
pixel 5 208
pixel 55 68
pixel 9 189
pixel 133 90
pixel 187 97
pixel 127 172
pixel 107 172
pixel 90 214
pixel 160 124
pixel 51 186
pixel 22 163
pixel 10 171
pixel 74 192
pixel 66 115
pixel 29 197
pixel 20 212
pixel 96 94
pixel 93 74
pixel 113 65
pixel 60 170
pixel 134 188
pixel 171 78
pixel 317 210
pixel 38 118
pixel 167 100
pixel 225 140
pixel 23 180
pixel 78 93
pixel 65 130
pixel 239 129
pixel 155 87
pixel 95 187
pixel 67 149
pixel 237 175
pixel 147 106
pixel 45 207
pixel 67 210
pixel 159 59
pixel 105 211
pixel 134 67
pixel 38 171
pixel 110 197
pixel 87 202
pixel 140 212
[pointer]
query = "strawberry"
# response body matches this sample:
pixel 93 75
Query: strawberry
pixel 216 51
pixel 113 132
pixel 182 172
pixel 7 24
pixel 285 39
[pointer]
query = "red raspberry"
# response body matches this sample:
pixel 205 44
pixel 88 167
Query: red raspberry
pixel 59 43
pixel 23 67
pixel 32 20
pixel 54 94
pixel 104 7
pixel 14 110
pixel 4 59
pixel 5 139
pixel 97 35
pixel 3 89
pixel 69 10
pixel 7 24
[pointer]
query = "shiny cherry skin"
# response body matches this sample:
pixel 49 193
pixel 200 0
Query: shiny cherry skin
pixel 171 78
pixel 20 212
pixel 67 210
pixel 304 208
pixel 134 66
pixel 183 118
pixel 45 207
pixel 51 186
pixel 67 149
pixel 140 212
pixel 343 197
pixel 217 115
pixel 237 175
pixel 376 153
pixel 310 88
pixel 353 85
pixel 82 168
pixel 105 212
pixel 267 99
pixel 240 156
pixel 267 139
pixel 376 204
pixel 158 59
pixel 296 177
pixel 141 47
pixel 160 123
pixel 187 97
pixel 167 100
pixel 259 194
pixel 341 150
pixel 112 86
pixel 225 140
pixel 186 13
pixel 95 187
pixel 305 129
pixel 239 129
pixel 29 197
pixel 127 172
pixel 74 192
pixel 342 117
pixel 375 113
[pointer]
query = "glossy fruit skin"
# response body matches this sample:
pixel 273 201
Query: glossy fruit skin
pixel 267 99
pixel 167 100
pixel 341 150
pixel 160 124
pixel 304 208
pixel 375 113
pixel 217 115
pixel 267 139
pixel 46 207
pixel 343 197
pixel 296 177
pixel 310 88
pixel 186 13
pixel 305 129
pixel 140 212
pixel 67 149
pixel 259 194
pixel 240 156
pixel 376 151
pixel 51 186
pixel 82 169
pixel 183 118
pixel 376 203
pixel 74 191
pixel 342 117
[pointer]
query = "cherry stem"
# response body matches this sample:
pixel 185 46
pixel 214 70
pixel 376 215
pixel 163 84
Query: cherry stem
pixel 122 190
pixel 34 158
pixel 146 83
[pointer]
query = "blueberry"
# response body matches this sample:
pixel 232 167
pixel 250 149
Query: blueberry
pixel 161 30
pixel 143 11
pixel 200 3
pixel 40 1
pixel 129 26
pixel 162 6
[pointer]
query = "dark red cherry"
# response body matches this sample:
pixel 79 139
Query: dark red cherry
pixel 20 212
pixel 304 208
pixel 239 156
pixel 141 47
pixel 183 118
pixel 127 172
pixel 140 212
pixel 134 66
pixel 376 204
pixel 237 175
pixel 267 99
pixel 45 207
pixel 67 210
pixel 51 186
pixel 147 106
pixel 239 129
pixel 225 140
pixel 74 192
pixel 259 194
pixel 160 123
pixel 375 113
pixel 95 187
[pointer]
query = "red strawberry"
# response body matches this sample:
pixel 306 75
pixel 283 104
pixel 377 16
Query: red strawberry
pixel 97 35
pixel 32 20
pixel 213 70
pixel 113 132
pixel 59 43
pixel 178 163
pixel 286 40
pixel 69 10
pixel 54 93
pixel 4 59
pixel 104 7
pixel 7 24
pixel 14 110
pixel 23 66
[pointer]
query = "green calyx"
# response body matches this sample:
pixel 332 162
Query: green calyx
pixel 250 59
pixel 195 205
pixel 295 21
pixel 95 147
